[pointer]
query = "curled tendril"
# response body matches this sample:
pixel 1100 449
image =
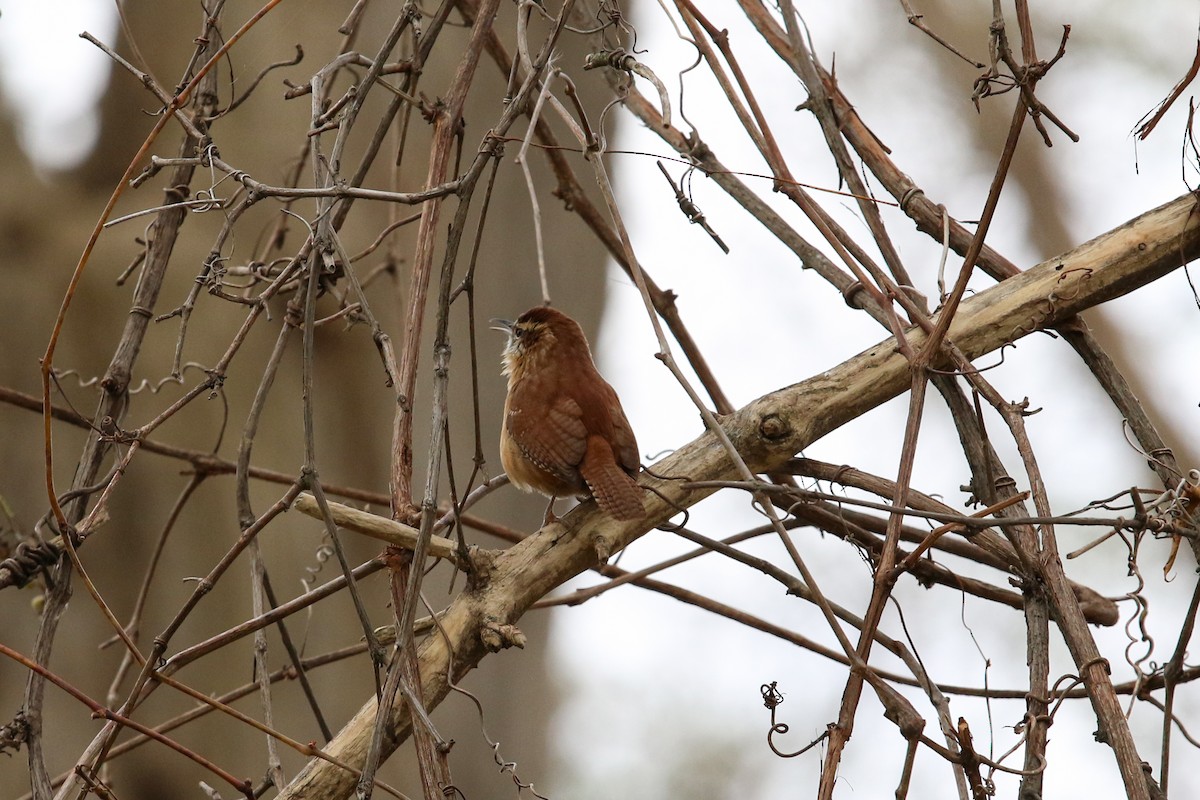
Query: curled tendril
pixel 28 560
pixel 772 699
pixel 144 386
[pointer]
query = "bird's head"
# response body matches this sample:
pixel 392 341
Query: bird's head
pixel 538 335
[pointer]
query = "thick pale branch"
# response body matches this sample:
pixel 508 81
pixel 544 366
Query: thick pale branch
pixel 377 527
pixel 767 432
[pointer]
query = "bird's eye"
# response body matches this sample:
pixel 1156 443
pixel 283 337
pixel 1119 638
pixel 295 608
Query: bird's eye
pixel 518 332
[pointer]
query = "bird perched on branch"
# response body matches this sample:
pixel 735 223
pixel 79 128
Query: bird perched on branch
pixel 564 431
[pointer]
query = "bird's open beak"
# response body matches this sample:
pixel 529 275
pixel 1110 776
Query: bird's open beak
pixel 504 325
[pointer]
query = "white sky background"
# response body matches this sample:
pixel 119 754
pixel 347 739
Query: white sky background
pixel 764 323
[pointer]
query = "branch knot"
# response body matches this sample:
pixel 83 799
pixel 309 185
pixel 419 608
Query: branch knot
pixel 497 636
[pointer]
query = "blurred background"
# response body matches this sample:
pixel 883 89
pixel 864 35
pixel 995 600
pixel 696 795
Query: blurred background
pixel 632 694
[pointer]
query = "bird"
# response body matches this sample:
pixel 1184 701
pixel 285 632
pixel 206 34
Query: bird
pixel 564 431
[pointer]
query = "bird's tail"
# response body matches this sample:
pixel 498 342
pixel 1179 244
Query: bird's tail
pixel 615 491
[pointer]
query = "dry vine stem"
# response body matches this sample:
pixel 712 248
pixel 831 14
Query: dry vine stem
pixel 296 273
pixel 767 432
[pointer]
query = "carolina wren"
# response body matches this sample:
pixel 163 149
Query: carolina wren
pixel 564 430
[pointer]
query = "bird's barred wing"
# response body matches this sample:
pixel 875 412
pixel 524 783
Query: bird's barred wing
pixel 624 443
pixel 555 442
